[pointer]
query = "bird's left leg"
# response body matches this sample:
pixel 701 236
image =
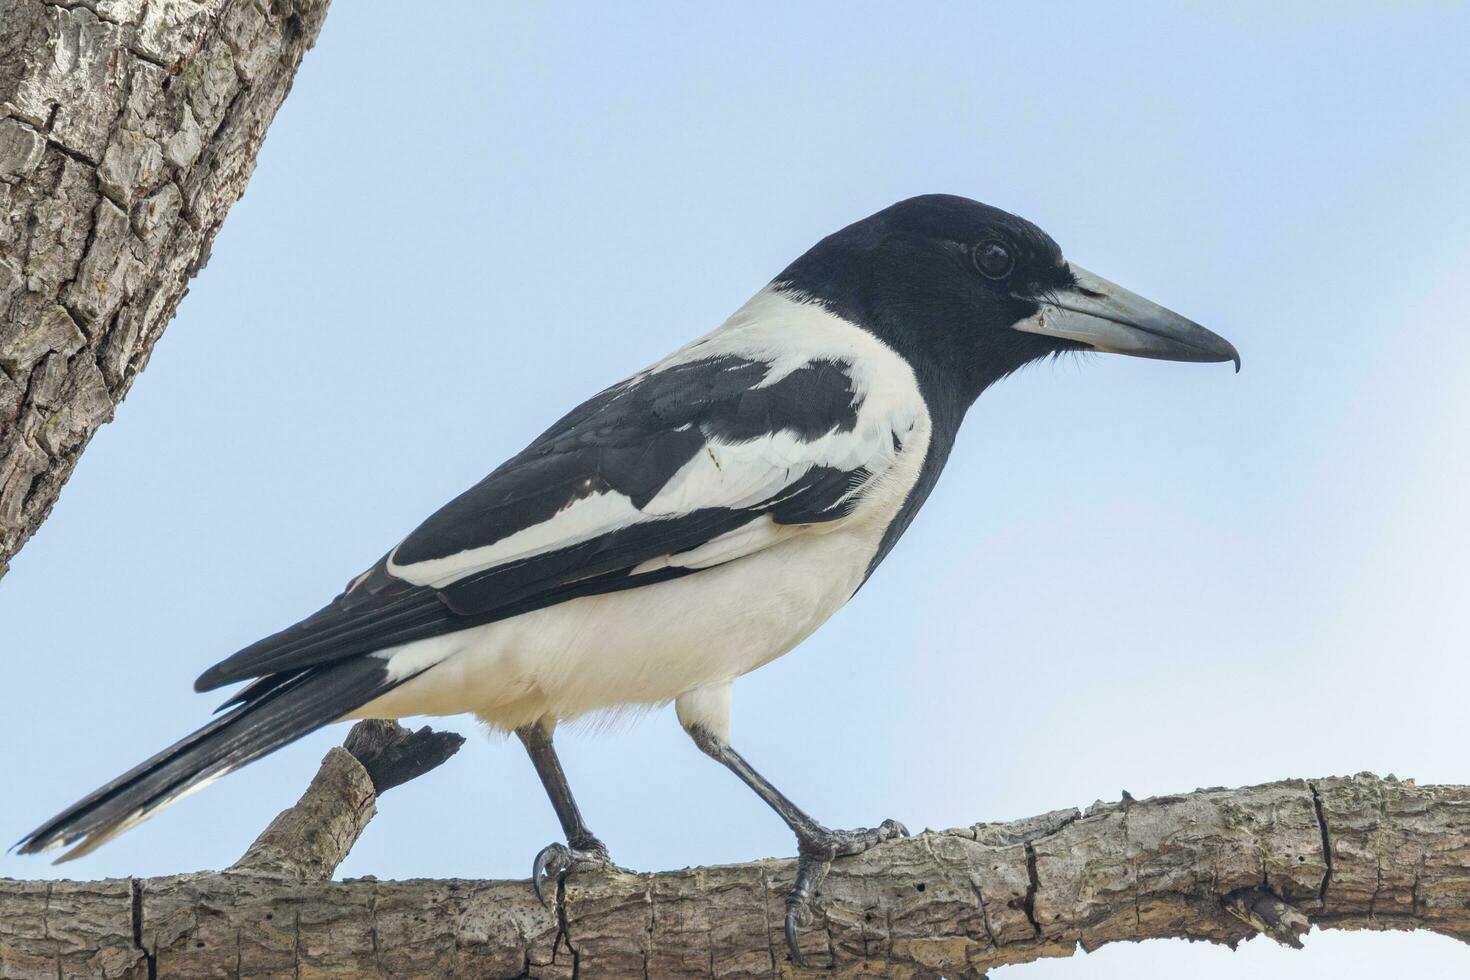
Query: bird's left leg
pixel 705 715
pixel 582 848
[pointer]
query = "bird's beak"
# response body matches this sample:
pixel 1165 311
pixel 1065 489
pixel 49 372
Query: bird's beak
pixel 1107 317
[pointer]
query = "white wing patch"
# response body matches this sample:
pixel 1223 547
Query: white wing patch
pixel 759 534
pixel 584 519
pixel 786 335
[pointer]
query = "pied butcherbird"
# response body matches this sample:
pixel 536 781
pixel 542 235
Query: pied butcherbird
pixel 682 527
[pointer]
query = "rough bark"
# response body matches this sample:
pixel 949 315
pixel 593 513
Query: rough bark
pixel 309 840
pixel 1217 864
pixel 127 130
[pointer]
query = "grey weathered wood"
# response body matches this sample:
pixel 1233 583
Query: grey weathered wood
pixel 307 841
pixel 1215 864
pixel 392 755
pixel 128 128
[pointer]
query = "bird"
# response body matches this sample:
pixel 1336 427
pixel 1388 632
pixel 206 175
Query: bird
pixel 682 527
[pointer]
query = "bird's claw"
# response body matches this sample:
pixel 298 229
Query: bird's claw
pixel 555 861
pixel 817 849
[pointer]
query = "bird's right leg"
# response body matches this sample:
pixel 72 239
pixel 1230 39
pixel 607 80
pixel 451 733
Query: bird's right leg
pixel 705 715
pixel 582 849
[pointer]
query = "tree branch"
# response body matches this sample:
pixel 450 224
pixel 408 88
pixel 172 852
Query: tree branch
pixel 128 128
pixel 309 840
pixel 1217 864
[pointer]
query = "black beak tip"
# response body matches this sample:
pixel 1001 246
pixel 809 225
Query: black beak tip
pixel 1224 350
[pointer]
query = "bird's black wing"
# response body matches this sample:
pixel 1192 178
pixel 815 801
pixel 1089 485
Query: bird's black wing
pixel 686 466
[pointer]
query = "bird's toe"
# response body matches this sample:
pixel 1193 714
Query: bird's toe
pixel 555 861
pixel 810 871
pixel 818 847
pixel 822 842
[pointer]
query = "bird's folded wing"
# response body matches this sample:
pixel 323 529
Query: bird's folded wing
pixel 689 466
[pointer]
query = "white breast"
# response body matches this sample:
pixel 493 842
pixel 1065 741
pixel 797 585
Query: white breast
pixel 650 644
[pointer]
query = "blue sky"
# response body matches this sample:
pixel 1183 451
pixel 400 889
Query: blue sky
pixel 1133 574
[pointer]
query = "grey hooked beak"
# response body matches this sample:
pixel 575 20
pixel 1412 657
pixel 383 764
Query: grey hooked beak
pixel 1107 317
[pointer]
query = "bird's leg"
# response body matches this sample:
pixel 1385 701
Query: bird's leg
pixel 582 848
pixel 817 845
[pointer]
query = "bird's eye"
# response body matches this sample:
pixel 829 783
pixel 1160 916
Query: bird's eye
pixel 994 260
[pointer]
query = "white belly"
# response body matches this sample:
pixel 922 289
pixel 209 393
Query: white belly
pixel 650 644
pixel 641 646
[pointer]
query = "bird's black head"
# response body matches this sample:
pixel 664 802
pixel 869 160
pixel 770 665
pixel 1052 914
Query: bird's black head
pixel 968 293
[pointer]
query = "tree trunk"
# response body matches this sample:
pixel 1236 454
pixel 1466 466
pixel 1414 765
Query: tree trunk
pixel 1219 865
pixel 127 130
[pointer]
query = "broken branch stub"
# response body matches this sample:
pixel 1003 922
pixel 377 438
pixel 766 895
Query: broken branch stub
pixel 307 841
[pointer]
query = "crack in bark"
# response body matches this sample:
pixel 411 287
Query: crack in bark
pixel 984 916
pixel 1326 844
pixel 61 4
pixel 152 59
pixel 1033 885
pixel 76 155
pixel 563 928
pixel 135 888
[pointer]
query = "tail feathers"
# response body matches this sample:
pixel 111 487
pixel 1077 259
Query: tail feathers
pixel 271 716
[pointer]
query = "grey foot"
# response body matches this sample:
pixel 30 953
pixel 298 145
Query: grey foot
pixel 555 861
pixel 817 849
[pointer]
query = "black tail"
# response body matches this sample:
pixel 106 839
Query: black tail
pixel 270 716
